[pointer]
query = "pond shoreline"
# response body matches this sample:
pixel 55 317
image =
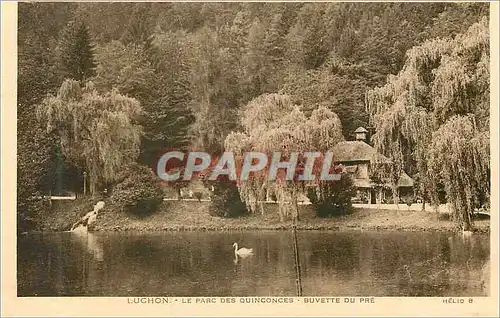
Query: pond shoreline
pixel 201 264
pixel 193 216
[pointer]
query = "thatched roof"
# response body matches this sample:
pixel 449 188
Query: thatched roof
pixel 350 169
pixel 361 130
pixel 405 181
pixel 362 183
pixel 349 151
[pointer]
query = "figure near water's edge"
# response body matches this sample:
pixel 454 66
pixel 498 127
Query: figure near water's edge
pixel 81 226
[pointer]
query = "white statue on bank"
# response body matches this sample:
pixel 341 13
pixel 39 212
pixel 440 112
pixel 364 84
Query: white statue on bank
pixel 81 226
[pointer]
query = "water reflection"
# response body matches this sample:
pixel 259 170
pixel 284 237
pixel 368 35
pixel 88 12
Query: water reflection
pixel 91 243
pixel 204 264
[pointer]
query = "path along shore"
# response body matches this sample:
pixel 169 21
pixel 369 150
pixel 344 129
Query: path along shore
pixel 186 215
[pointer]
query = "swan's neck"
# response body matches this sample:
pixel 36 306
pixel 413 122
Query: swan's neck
pixel 235 247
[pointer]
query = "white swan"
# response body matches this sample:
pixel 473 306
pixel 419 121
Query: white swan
pixel 242 252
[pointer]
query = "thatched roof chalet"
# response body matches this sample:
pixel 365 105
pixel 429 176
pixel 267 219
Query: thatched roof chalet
pixel 354 153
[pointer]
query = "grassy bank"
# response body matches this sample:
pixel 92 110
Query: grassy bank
pixel 187 216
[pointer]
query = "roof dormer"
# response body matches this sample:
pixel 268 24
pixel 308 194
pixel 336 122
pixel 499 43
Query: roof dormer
pixel 361 134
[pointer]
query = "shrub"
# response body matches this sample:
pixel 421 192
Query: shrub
pixel 332 198
pixel 137 191
pixel 273 197
pixel 198 195
pixel 30 210
pixel 226 201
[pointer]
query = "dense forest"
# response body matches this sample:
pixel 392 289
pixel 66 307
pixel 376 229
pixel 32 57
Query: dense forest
pixel 125 81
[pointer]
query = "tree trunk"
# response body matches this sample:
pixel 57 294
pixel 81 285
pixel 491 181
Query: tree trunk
pixel 395 198
pixel 262 197
pixel 280 211
pixel 467 219
pixel 295 205
pixel 261 207
pixel 93 186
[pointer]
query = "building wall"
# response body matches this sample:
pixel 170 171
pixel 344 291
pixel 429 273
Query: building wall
pixel 378 195
pixel 362 171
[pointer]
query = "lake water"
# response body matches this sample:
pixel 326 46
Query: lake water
pixel 204 264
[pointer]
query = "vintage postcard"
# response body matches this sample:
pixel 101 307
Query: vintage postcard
pixel 249 159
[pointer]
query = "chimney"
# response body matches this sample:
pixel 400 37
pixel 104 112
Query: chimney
pixel 361 134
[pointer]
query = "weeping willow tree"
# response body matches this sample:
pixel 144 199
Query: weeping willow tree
pixel 433 119
pixel 272 123
pixel 97 133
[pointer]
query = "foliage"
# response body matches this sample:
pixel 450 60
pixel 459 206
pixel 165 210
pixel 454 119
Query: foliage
pixel 214 95
pixel 226 202
pixel 34 171
pixel 125 68
pixel 97 133
pixel 255 59
pixel 76 56
pixel 128 69
pixel 435 115
pixel 332 198
pixel 455 19
pixel 35 78
pixel 137 191
pixel 158 79
pixel 460 160
pixel 272 123
pixel 198 195
pixel 36 72
pixel 227 54
pixel 338 86
pixel 194 66
pixel 168 116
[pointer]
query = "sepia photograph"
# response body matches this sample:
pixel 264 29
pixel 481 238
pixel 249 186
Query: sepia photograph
pixel 263 150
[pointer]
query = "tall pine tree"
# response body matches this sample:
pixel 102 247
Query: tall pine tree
pixel 76 52
pixel 254 60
